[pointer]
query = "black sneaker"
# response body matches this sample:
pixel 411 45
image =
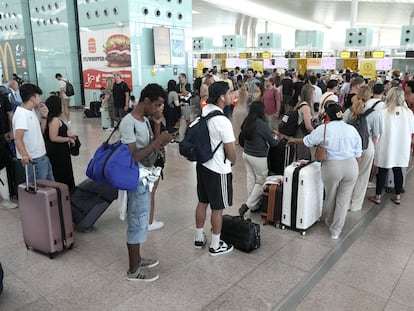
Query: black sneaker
pixel 223 248
pixel 201 244
pixel 243 209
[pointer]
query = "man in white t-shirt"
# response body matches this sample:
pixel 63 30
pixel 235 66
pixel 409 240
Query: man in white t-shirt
pixel 65 99
pixel 377 96
pixel 329 95
pixel 28 132
pixel 214 177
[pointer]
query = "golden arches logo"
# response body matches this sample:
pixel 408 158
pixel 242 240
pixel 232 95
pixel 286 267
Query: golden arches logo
pixel 4 60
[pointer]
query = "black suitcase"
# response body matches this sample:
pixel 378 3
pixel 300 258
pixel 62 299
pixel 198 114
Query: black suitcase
pixel 242 233
pixel 94 110
pixel 272 203
pixel 89 201
pixel 15 176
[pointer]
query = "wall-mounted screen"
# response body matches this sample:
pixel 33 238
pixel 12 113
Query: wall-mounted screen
pixel 177 46
pixel 162 47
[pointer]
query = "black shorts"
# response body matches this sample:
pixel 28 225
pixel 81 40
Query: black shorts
pixel 214 188
pixel 288 100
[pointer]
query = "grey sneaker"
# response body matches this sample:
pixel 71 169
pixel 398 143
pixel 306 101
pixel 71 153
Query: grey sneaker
pixel 148 263
pixel 223 248
pixel 143 275
pixel 201 244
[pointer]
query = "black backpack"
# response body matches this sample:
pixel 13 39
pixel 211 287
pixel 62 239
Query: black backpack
pixel 289 125
pixel 196 145
pixel 69 91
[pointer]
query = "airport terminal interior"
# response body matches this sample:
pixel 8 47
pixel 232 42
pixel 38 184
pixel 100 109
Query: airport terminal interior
pixel 370 266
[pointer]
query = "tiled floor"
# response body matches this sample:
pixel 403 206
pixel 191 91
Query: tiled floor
pixel 376 273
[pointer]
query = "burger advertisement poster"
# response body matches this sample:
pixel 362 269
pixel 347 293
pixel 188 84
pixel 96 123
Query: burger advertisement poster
pixel 103 53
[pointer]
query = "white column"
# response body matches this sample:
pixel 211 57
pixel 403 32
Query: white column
pixel 354 13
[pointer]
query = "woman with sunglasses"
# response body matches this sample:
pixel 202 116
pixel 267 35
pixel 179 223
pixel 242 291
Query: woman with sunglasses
pixel 340 170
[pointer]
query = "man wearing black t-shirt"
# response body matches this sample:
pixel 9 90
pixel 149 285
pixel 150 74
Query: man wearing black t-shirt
pixel 287 92
pixel 120 93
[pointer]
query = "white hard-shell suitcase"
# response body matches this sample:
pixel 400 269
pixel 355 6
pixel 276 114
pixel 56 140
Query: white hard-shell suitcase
pixel 105 118
pixel 302 195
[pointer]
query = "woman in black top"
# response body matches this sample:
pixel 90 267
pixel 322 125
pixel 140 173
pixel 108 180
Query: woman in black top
pixel 351 97
pixel 257 139
pixel 58 141
pixel 172 111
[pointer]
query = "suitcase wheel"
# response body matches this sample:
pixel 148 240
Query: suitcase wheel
pixel 51 255
pixel 303 233
pixel 388 189
pixel 27 246
pixel 71 246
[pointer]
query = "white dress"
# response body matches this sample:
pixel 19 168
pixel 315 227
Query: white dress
pixel 393 146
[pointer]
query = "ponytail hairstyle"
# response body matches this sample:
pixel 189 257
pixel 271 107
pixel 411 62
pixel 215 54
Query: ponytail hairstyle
pixel 357 108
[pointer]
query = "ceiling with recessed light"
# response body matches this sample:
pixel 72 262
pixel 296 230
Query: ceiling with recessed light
pixel 383 16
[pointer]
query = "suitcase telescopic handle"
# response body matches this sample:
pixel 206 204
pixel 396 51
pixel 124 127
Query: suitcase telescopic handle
pixel 287 155
pixel 26 170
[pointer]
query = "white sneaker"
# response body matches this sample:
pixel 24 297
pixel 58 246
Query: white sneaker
pixel 109 129
pixel 6 204
pixel 335 236
pixel 155 225
pixel 372 184
pixel 223 248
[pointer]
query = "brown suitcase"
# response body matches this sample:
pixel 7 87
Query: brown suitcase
pixel 46 216
pixel 272 204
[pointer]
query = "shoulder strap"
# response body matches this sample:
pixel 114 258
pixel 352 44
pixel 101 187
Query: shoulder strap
pixel 301 105
pixel 369 110
pixel 213 114
pixel 376 103
pixel 326 98
pixel 209 116
pixel 324 134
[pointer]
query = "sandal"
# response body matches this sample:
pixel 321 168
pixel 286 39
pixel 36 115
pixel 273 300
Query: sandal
pixel 396 201
pixel 375 199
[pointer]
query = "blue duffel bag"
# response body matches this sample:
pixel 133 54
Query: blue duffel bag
pixel 113 165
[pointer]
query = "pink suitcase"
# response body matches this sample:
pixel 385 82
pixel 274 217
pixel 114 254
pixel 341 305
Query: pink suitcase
pixel 46 216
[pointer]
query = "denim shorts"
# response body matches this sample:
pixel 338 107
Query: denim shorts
pixel 139 203
pixel 43 168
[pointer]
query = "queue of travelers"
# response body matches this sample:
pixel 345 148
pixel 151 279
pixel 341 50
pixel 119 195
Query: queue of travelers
pixel 253 106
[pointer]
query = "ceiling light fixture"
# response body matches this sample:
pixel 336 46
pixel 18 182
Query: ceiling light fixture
pixel 252 9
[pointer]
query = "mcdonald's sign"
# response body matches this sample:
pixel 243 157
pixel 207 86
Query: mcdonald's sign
pixel 8 60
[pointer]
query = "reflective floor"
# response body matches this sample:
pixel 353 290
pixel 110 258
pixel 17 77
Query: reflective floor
pixel 375 273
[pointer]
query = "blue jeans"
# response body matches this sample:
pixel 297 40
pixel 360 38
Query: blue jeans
pixel 43 169
pixel 139 204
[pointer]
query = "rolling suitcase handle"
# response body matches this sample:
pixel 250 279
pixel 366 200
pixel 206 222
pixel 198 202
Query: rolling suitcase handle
pixel 28 188
pixel 287 155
